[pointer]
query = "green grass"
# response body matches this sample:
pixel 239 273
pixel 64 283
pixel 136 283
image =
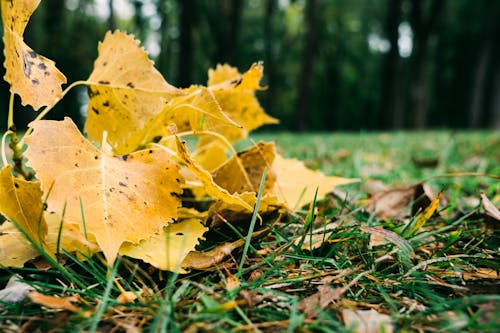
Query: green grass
pixel 446 280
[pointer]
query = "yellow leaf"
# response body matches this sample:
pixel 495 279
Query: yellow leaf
pixel 243 172
pixel 30 75
pixel 296 184
pixel 211 188
pixel 232 213
pixel 167 249
pixel 424 216
pixel 210 154
pixel 236 97
pixel 21 203
pixel 124 198
pixel 126 94
pixel 15 249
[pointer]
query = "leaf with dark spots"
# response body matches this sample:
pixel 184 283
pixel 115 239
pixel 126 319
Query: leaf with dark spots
pixel 103 82
pixel 124 157
pixel 122 184
pixel 95 110
pixel 105 103
pixel 130 85
pixel 42 66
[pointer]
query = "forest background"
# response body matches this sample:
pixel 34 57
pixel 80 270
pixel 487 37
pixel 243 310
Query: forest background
pixel 329 64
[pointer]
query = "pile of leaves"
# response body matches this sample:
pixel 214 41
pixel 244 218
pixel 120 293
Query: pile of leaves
pixel 121 190
pixel 155 222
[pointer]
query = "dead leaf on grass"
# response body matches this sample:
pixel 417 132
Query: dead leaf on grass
pixel 52 302
pixel 367 321
pixel 489 208
pixel 15 290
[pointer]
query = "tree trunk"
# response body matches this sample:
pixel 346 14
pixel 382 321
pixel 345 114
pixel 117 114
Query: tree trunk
pixel 186 22
pixel 423 28
pixel 478 87
pixel 306 71
pixel 270 71
pixel 164 56
pixel 391 103
pixel 495 106
pixel 111 17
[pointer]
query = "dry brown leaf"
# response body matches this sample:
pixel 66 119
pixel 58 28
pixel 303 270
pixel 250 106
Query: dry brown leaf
pixel 296 184
pixel 167 249
pixel 52 302
pixel 489 208
pixel 124 199
pixel 33 77
pixel 367 321
pixel 126 94
pixel 206 260
pixel 379 235
pixel 320 300
pixel 243 172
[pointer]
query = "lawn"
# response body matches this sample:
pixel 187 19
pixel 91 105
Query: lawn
pixel 321 268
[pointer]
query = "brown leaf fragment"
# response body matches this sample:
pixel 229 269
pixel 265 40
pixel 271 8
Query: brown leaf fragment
pixel 15 290
pixel 205 260
pixel 379 234
pixel 320 300
pixel 367 321
pixel 52 302
pixel 395 203
pixel 489 208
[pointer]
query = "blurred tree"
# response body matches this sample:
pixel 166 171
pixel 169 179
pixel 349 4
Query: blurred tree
pixel 187 10
pixel 391 108
pixel 306 70
pixel 424 24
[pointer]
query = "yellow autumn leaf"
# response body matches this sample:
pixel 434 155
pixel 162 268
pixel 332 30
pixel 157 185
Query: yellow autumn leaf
pixel 33 77
pixel 296 184
pixel 221 211
pixel 211 188
pixel 236 97
pixel 21 203
pixel 15 249
pixel 243 172
pixel 210 154
pixel 126 94
pixel 197 110
pixel 124 199
pixel 166 250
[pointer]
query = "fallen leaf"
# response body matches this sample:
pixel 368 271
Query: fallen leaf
pixel 296 184
pixel 167 249
pixel 21 203
pixel 396 202
pixel 205 260
pixel 33 77
pixel 12 238
pixel 52 302
pixel 367 321
pixel 422 218
pixel 126 94
pixel 378 235
pixel 124 199
pixel 210 187
pixel 15 290
pixel 126 297
pixel 320 300
pixel 243 172
pixel 489 208
pixel 235 93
